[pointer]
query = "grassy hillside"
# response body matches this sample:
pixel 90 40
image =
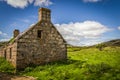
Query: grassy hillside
pixel 111 43
pixel 82 64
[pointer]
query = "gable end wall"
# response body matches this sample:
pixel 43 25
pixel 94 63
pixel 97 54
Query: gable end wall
pixel 33 50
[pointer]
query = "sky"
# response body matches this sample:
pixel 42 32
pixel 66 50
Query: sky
pixel 81 22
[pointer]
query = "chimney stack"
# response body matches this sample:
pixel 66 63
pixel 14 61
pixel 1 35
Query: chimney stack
pixel 44 14
pixel 16 33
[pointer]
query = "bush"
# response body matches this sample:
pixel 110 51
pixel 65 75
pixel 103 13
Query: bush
pixel 28 69
pixel 5 66
pixel 98 68
pixel 100 46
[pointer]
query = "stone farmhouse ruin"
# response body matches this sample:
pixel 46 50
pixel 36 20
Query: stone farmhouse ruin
pixel 40 44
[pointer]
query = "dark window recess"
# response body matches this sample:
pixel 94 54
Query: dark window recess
pixel 33 55
pixel 5 54
pixel 39 33
pixel 10 53
pixel 22 55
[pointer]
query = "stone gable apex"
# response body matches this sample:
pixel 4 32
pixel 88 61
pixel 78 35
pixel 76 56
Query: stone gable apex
pixel 30 28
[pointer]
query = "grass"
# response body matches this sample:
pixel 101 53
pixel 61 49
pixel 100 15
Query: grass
pixel 82 64
pixel 109 55
pixel 11 40
pixel 5 66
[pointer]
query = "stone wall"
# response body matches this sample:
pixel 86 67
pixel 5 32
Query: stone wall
pixel 9 52
pixel 1 52
pixel 39 50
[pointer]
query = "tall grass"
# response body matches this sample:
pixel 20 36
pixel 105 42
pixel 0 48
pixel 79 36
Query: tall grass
pixel 5 66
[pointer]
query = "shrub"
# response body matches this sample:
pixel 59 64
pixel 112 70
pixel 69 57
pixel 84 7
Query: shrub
pixel 5 66
pixel 100 46
pixel 28 69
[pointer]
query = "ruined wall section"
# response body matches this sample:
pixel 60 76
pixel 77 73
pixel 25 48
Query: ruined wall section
pixel 9 52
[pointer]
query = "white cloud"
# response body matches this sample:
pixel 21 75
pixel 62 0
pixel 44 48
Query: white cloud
pixel 4 36
pixel 32 24
pixel 25 20
pixel 42 2
pixel 119 28
pixel 93 1
pixel 17 3
pixel 88 42
pixel 86 32
pixel 13 24
pixel 0 32
pixel 25 3
pixel 2 40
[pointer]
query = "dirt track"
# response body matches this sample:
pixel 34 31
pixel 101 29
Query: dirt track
pixel 4 76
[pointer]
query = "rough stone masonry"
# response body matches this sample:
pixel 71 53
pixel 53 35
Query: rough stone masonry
pixel 39 44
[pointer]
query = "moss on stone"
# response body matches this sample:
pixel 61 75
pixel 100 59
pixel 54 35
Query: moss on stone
pixel 11 40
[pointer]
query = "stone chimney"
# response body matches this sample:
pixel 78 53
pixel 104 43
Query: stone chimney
pixel 16 33
pixel 44 14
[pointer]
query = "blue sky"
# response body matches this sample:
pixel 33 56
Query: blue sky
pixel 81 22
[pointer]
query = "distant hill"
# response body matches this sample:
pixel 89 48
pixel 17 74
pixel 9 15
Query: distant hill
pixel 115 42
pixel 2 43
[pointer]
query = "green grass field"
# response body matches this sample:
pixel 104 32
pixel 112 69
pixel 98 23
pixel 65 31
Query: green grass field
pixel 82 64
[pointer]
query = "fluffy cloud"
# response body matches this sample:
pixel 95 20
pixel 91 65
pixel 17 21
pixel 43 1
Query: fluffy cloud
pixel 25 3
pixel 86 32
pixel 91 1
pixel 4 36
pixel 2 40
pixel 119 28
pixel 42 3
pixel 0 32
pixel 25 20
